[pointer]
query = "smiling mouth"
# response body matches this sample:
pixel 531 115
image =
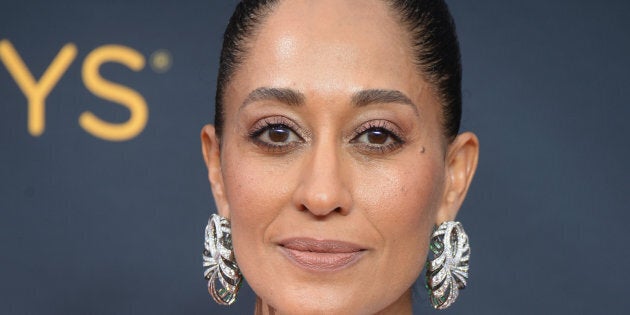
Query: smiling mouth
pixel 321 255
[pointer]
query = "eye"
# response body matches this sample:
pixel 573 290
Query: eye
pixel 377 137
pixel 275 134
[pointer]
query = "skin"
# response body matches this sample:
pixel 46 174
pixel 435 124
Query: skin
pixel 329 179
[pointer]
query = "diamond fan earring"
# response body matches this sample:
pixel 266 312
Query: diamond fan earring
pixel 219 261
pixel 447 272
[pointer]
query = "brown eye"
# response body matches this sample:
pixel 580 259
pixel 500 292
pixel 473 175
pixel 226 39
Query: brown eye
pixel 377 136
pixel 276 135
pixel 279 134
pixel 377 140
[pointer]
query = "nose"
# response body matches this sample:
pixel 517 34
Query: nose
pixel 322 189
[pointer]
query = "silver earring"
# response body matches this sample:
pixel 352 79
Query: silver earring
pixel 447 272
pixel 219 262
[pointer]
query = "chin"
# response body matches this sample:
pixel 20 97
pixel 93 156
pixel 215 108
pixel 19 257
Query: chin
pixel 321 298
pixel 319 304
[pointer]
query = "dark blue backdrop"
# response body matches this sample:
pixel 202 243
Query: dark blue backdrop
pixel 91 226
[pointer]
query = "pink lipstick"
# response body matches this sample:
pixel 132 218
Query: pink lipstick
pixel 321 255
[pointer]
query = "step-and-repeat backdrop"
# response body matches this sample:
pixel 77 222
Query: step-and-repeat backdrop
pixel 104 194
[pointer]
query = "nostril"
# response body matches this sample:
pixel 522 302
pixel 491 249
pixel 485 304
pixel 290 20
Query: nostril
pixel 322 212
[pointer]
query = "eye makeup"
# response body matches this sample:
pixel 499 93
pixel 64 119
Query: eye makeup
pixel 378 137
pixel 275 134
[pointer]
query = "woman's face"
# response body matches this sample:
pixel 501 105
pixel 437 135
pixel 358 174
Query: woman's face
pixel 332 160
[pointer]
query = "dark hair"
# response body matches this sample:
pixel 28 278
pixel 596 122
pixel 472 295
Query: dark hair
pixel 432 35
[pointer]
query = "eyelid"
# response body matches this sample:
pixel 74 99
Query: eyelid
pixel 262 124
pixel 265 124
pixel 389 126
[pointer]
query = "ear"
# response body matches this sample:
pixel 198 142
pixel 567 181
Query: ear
pixel 461 163
pixel 211 149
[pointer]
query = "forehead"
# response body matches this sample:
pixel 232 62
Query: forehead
pixel 330 47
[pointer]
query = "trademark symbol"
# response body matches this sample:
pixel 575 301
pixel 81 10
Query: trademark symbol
pixel 161 60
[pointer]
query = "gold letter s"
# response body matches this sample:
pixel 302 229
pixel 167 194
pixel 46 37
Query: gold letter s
pixel 114 92
pixel 36 92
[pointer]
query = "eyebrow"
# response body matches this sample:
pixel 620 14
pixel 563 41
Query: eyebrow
pixel 359 99
pixel 379 96
pixel 282 95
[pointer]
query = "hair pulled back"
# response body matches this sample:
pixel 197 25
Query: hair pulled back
pixel 432 37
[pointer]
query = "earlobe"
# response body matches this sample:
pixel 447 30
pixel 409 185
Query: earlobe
pixel 461 164
pixel 211 149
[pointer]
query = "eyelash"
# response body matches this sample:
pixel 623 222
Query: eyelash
pixel 269 123
pixel 381 125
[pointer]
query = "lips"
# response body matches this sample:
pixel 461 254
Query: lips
pixel 321 255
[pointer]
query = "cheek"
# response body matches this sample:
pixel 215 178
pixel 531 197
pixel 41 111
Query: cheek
pixel 252 185
pixel 256 194
pixel 405 194
pixel 402 206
